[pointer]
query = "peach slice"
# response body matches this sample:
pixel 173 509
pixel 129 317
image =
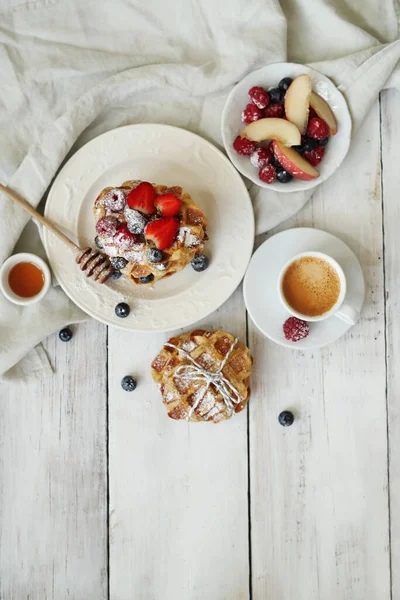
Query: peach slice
pixel 272 129
pixel 295 164
pixel 324 111
pixel 297 101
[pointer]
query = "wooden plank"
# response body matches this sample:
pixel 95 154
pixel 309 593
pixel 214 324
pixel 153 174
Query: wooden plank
pixel 319 513
pixel 178 491
pixel 53 492
pixel 390 122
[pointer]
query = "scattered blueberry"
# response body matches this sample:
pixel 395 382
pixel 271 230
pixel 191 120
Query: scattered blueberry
pixel 276 95
pixel 98 243
pixel 283 176
pixel 309 144
pixel 155 255
pixel 286 418
pixel 128 383
pixel 146 279
pixel 284 83
pixel 200 262
pixel 116 275
pixel 65 334
pixel 122 310
pixel 324 142
pixel 118 262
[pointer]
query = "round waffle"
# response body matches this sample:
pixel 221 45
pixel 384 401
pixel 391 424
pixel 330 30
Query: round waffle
pixel 189 240
pixel 185 367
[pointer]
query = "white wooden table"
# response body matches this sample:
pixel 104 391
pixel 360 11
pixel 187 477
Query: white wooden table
pixel 102 496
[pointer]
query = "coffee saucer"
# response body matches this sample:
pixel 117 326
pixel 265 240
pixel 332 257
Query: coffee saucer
pixel 260 287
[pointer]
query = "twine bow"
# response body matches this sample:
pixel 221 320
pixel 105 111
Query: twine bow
pixel 195 372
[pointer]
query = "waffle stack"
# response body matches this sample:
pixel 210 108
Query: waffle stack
pixel 189 239
pixel 190 397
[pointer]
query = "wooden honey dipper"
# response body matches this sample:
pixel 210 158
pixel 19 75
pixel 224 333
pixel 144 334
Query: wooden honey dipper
pixel 93 263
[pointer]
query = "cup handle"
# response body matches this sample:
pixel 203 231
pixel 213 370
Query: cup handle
pixel 348 314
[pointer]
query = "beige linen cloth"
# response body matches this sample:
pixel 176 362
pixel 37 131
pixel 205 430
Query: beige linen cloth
pixel 72 70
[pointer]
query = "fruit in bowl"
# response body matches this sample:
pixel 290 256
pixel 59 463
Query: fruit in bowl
pixel 286 130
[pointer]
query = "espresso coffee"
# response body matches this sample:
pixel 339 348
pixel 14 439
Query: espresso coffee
pixel 311 286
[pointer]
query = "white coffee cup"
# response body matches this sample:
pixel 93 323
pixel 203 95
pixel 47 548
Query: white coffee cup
pixel 340 309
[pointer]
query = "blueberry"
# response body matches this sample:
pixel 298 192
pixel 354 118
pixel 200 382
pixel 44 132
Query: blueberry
pixel 128 383
pixel 284 83
pixel 98 243
pixel 154 255
pixel 324 142
pixel 146 279
pixel 200 262
pixel 65 334
pixel 309 144
pixel 286 418
pixel 276 163
pixel 298 149
pixel 283 176
pixel 116 274
pixel 276 95
pixel 118 262
pixel 122 310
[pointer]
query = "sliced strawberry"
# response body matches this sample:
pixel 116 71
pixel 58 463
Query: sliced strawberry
pixel 162 232
pixel 168 205
pixel 124 239
pixel 142 198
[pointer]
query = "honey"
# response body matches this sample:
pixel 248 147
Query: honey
pixel 26 279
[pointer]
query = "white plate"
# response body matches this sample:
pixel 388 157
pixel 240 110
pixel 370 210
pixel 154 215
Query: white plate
pixel 268 77
pixel 261 291
pixel 165 155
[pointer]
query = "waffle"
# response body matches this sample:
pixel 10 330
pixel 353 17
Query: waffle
pixel 189 240
pixel 190 399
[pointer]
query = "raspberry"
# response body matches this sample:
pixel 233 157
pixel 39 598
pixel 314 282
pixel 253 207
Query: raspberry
pixel 107 226
pixel 295 329
pixel 259 96
pixel 115 200
pixel 314 157
pixel 244 146
pixel 311 113
pixel 261 157
pixel 267 174
pixel 251 113
pixel 317 129
pixel 274 111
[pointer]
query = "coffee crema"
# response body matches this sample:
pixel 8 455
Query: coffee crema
pixel 311 286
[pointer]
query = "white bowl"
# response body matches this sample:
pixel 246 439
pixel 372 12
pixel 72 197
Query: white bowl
pixel 10 263
pixel 268 77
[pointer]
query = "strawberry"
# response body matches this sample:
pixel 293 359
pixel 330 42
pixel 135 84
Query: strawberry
pixel 162 232
pixel 315 156
pixel 168 205
pixel 124 239
pixel 317 129
pixel 274 110
pixel 142 198
pixel 244 146
pixel 251 113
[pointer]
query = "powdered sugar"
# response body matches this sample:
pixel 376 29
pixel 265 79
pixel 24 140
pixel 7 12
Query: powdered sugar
pixel 135 220
pixel 188 239
pixel 189 345
pixel 115 200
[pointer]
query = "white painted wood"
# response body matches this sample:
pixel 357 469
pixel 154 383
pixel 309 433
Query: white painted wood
pixel 178 491
pixel 53 519
pixel 319 488
pixel 390 120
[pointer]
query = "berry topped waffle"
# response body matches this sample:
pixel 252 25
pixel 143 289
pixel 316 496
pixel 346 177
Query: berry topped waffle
pixel 150 231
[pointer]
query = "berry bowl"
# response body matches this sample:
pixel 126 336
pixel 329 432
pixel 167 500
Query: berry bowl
pixel 291 132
